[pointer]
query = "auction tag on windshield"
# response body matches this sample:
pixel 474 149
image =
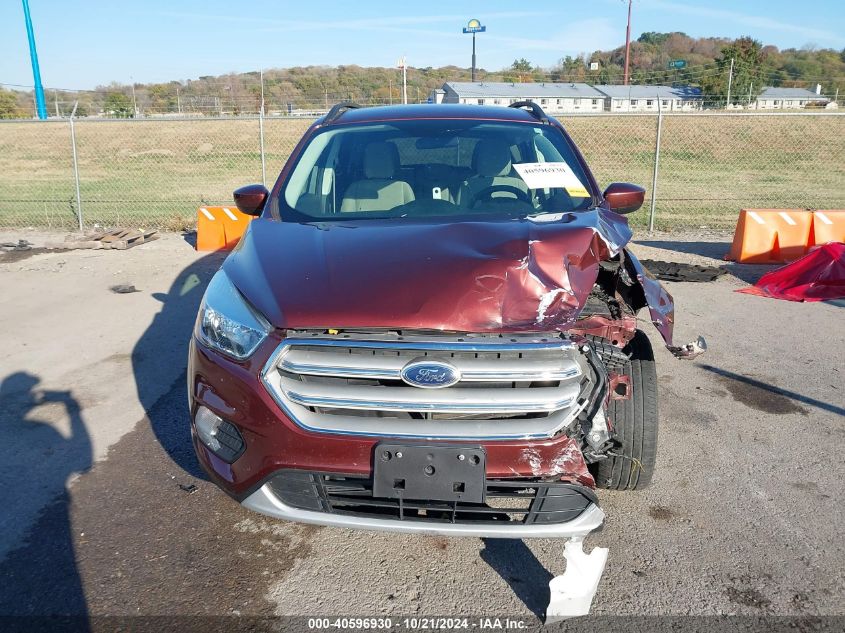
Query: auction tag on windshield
pixel 551 176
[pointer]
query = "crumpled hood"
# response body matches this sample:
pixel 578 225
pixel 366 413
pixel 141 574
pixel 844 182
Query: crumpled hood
pixel 479 276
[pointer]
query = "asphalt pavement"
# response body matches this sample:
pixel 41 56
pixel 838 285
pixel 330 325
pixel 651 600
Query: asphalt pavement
pixel 106 513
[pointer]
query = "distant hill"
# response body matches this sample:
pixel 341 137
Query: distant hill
pixel 314 87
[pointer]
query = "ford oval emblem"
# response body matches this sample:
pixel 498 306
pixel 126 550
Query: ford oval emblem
pixel 430 374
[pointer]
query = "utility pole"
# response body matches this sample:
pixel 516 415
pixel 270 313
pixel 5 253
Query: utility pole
pixel 134 102
pixel 750 89
pixel 628 43
pixel 403 64
pixel 56 100
pixel 390 90
pixel 40 105
pixel 178 101
pixel 261 75
pixel 730 82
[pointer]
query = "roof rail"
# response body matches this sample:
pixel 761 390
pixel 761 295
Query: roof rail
pixel 338 109
pixel 536 110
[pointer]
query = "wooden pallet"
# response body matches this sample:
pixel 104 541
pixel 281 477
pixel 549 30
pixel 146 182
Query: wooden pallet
pixel 118 239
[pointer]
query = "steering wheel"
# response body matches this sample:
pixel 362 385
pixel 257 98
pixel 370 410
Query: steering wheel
pixel 426 206
pixel 486 194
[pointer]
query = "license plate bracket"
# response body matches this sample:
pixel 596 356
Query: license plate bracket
pixel 424 472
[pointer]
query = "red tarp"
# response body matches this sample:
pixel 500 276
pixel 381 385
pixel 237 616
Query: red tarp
pixel 818 276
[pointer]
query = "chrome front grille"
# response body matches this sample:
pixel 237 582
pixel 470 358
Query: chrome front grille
pixel 521 386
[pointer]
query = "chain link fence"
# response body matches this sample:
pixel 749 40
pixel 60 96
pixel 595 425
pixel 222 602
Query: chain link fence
pixel 154 173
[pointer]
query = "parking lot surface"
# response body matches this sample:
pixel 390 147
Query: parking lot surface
pixel 100 516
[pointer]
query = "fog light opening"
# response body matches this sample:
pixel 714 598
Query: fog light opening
pixel 219 436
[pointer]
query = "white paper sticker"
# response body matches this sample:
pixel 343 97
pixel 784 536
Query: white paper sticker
pixel 551 176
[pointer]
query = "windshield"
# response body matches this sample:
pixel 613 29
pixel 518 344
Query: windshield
pixel 427 168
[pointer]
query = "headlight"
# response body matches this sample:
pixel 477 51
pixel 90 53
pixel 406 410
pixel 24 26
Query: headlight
pixel 226 322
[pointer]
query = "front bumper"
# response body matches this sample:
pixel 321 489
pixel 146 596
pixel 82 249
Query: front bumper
pixel 265 502
pixel 274 442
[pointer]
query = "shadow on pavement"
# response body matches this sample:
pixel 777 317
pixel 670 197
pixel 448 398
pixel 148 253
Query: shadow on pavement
pixel 164 345
pixel 41 577
pixel 749 273
pixel 716 250
pixel 517 565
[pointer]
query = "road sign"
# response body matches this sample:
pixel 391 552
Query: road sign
pixel 594 65
pixel 677 63
pixel 474 26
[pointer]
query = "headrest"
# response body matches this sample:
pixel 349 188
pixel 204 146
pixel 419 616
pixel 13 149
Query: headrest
pixel 380 160
pixel 492 158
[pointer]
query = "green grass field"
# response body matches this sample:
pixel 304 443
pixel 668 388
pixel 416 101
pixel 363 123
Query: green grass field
pixel 155 173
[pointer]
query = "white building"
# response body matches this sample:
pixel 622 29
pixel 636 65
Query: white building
pixel 437 95
pixel 554 98
pixel 790 98
pixel 620 98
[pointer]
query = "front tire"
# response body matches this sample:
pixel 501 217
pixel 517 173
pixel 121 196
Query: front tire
pixel 635 423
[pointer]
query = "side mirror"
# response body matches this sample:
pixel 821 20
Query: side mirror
pixel 251 199
pixel 623 197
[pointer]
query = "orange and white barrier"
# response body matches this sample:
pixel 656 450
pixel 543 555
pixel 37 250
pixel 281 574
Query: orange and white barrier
pixel 828 226
pixel 765 236
pixel 220 228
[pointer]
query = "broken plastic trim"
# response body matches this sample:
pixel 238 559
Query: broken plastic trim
pixel 571 594
pixel 690 350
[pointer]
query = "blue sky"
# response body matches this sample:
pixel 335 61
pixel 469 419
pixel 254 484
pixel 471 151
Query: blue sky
pixel 83 43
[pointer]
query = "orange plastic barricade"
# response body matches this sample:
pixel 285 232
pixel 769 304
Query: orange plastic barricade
pixel 220 228
pixel 765 236
pixel 828 226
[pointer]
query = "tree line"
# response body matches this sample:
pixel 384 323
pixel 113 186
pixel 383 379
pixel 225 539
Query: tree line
pixel 707 62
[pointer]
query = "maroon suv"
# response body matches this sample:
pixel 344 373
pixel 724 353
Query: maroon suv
pixel 431 326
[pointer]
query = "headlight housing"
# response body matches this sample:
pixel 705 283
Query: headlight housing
pixel 227 323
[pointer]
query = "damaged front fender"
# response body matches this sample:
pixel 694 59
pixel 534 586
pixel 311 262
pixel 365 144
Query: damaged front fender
pixel 661 309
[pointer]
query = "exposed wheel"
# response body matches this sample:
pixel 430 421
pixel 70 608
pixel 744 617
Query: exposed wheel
pixel 635 423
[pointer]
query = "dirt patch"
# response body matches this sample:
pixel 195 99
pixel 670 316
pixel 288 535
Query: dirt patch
pixel 660 513
pixel 14 256
pixel 800 601
pixel 765 400
pixel 748 597
pixel 440 543
pixel 810 487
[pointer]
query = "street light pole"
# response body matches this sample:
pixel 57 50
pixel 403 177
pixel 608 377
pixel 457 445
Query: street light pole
pixel 474 26
pixel 40 104
pixel 473 58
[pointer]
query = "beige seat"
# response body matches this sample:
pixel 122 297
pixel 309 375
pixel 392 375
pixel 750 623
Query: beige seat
pixel 492 162
pixel 379 191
